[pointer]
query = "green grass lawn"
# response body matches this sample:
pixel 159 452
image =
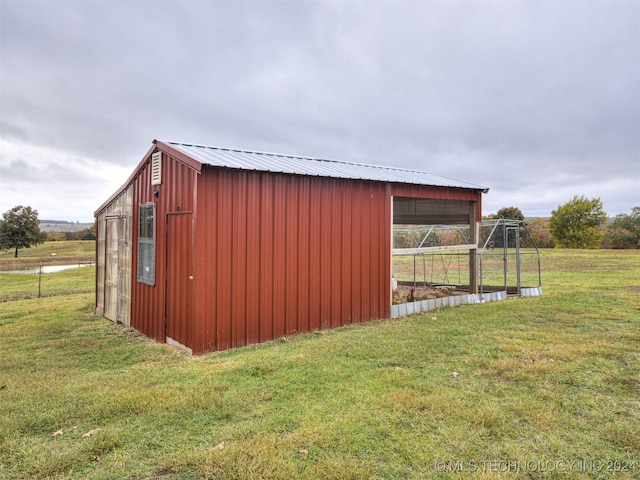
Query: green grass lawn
pixel 73 252
pixel 544 387
pixel 22 286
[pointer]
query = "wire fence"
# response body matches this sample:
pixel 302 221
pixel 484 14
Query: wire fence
pixel 38 280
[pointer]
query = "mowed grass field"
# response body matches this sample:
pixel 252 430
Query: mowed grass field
pixel 74 252
pixel 50 253
pixel 545 387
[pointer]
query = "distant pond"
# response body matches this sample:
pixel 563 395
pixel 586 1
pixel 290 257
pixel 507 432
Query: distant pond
pixel 48 269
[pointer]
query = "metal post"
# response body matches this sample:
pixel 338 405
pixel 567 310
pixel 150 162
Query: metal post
pixel 474 235
pixel 481 281
pixel 424 270
pixel 40 280
pixel 517 229
pixel 505 249
pixel 414 271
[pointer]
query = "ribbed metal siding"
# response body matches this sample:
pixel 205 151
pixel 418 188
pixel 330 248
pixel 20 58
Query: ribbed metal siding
pixel 271 256
pixel 280 254
pixel 179 283
pixel 175 194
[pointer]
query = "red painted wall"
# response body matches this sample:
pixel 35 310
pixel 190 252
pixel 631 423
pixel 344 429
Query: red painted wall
pixel 176 193
pixel 274 254
pixel 278 254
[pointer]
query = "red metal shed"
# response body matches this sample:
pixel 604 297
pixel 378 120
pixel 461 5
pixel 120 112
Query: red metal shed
pixel 209 248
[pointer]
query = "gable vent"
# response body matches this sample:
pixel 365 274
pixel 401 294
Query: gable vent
pixel 156 168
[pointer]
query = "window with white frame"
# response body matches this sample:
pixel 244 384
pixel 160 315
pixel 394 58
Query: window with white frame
pixel 147 244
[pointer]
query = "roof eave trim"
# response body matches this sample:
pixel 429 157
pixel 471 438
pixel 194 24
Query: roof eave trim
pixel 157 145
pixel 178 155
pixel 475 188
pixel 126 184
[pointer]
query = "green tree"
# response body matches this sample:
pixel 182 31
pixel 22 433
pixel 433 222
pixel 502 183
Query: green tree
pixel 576 224
pixel 88 233
pixel 20 228
pixel 510 213
pixel 624 231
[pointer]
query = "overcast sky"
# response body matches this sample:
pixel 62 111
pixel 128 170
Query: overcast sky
pixel 536 100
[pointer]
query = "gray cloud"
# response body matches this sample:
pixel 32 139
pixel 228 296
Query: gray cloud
pixel 536 100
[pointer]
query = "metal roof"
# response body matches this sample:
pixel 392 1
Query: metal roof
pixel 297 165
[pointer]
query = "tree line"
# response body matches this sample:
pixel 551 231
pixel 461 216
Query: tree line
pixel 579 223
pixel 85 234
pixel 20 228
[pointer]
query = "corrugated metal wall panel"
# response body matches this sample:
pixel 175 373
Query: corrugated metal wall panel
pixel 280 255
pixel 252 253
pixel 313 251
pixel 224 252
pixel 241 295
pixel 175 194
pixel 347 223
pixel 179 279
pixel 327 218
pixel 337 258
pixel 276 261
pixel 266 258
pixel 363 273
pixel 291 253
pixel 205 334
pixel 145 306
pixel 356 251
pixel 303 285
